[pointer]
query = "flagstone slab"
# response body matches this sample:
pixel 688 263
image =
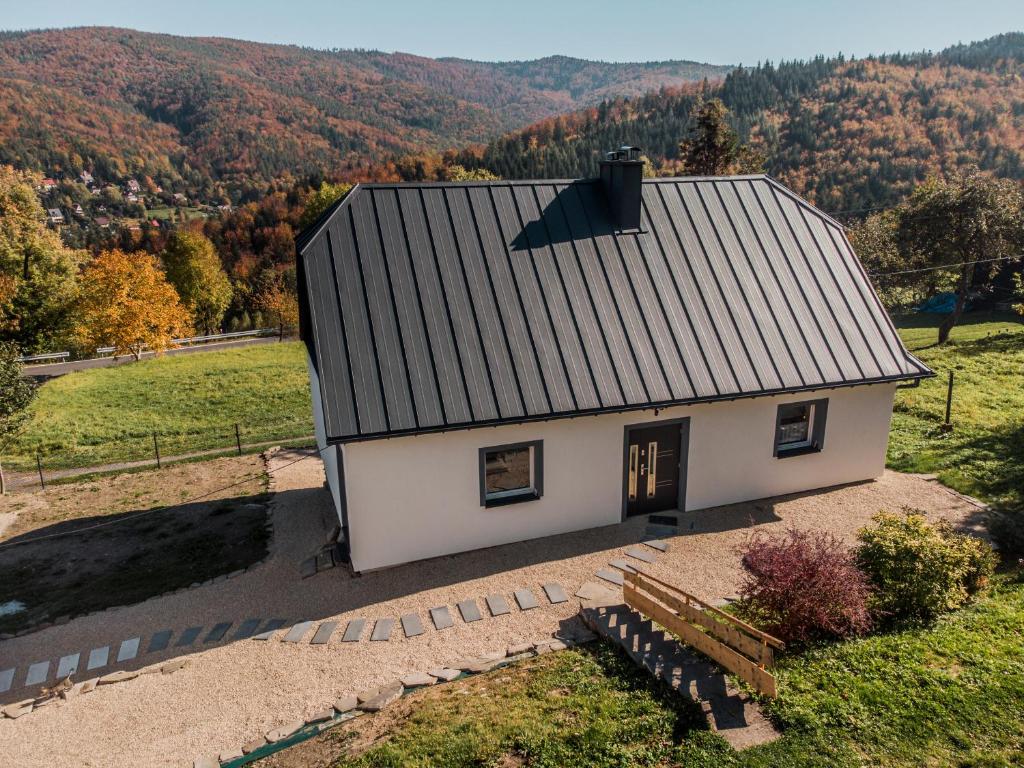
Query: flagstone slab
pixel 441 617
pixel 159 640
pixel 622 565
pixel 246 629
pixel 470 611
pixel 129 649
pixel 324 632
pixel 37 673
pixel 641 554
pixel 188 637
pixel 555 593
pixel 411 625
pixel 497 605
pixel 98 657
pixel 7 679
pixel 353 631
pixel 658 544
pixel 418 680
pixel 296 633
pixel 382 629
pixel 657 531
pixel 526 599
pixel 218 632
pixel 609 575
pixel 269 629
pixel 445 673
pixel 68 665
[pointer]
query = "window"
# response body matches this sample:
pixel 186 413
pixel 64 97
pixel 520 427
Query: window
pixel 511 473
pixel 800 427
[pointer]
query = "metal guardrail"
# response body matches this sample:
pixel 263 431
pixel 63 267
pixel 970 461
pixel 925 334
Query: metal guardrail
pixel 103 351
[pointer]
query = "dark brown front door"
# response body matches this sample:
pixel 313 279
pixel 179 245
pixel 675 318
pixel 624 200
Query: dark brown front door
pixel 655 459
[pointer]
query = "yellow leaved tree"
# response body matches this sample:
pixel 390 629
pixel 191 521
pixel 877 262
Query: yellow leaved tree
pixel 125 302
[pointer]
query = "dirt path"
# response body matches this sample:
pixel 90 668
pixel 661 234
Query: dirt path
pixel 229 694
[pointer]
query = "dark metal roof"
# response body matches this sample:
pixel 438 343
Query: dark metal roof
pixel 438 306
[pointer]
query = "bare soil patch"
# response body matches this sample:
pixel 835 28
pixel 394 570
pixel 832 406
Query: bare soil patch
pixel 82 547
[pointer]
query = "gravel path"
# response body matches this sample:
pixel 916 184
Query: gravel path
pixel 232 693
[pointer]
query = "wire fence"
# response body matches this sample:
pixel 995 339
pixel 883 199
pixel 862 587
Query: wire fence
pixel 74 455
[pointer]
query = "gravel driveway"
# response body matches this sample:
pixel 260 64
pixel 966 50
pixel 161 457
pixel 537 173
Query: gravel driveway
pixel 233 692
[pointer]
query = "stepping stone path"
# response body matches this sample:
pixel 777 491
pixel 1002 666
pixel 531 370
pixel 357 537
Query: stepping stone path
pixel 641 554
pixel 470 611
pixel 613 576
pixel 246 629
pixel 526 599
pixel 411 625
pixel 68 665
pixel 657 544
pixel 441 617
pixel 98 657
pixel 159 641
pixel 497 605
pixel 37 673
pixel 622 565
pixel 353 631
pixel 129 649
pixel 218 632
pixel 296 633
pixel 188 637
pixel 555 593
pixel 324 632
pixel 270 628
pixel 382 629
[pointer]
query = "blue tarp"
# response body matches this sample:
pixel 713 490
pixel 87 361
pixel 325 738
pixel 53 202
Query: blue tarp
pixel 939 304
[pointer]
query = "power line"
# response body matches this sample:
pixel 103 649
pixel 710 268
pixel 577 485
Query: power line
pixel 943 266
pixel 137 515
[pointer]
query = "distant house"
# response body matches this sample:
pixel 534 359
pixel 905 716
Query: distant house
pixel 132 197
pixel 103 222
pixel 54 216
pixel 86 177
pixel 78 210
pixel 47 185
pixel 180 198
pixel 133 186
pixel 496 361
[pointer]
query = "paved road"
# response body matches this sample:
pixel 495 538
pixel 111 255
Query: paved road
pixel 52 370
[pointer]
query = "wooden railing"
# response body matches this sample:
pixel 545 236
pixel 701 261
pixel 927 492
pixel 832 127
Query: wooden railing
pixel 744 650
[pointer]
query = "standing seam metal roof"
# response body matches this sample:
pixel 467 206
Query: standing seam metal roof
pixel 436 306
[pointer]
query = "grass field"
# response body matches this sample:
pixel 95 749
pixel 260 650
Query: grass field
pixel 946 696
pixel 191 401
pixel 984 453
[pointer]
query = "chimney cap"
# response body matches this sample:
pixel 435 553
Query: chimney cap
pixel 625 153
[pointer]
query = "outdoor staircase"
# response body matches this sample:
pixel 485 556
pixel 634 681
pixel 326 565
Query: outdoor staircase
pixel 730 712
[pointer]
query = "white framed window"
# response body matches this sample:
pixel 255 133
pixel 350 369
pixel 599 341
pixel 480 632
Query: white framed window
pixel 800 427
pixel 511 473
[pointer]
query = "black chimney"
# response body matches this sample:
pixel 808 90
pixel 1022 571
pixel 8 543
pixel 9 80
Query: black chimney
pixel 622 173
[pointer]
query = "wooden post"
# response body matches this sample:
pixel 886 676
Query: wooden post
pixel 238 440
pixel 156 450
pixel 3 484
pixel 948 426
pixel 39 466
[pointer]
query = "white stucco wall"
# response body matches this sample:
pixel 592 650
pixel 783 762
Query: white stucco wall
pixel 415 497
pixel 329 456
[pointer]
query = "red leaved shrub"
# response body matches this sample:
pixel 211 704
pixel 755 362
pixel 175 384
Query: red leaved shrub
pixel 804 585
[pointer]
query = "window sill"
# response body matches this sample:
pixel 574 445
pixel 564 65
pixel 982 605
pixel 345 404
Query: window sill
pixel 785 454
pixel 517 499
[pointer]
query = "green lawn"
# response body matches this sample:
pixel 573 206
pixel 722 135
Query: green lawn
pixel 191 401
pixel 984 454
pixel 946 696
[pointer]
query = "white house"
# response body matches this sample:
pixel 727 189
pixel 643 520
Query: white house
pixel 498 361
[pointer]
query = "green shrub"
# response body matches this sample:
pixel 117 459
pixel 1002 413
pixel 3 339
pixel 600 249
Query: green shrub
pixel 920 570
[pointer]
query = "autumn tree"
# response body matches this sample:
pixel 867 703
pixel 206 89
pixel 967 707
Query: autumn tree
pixel 713 148
pixel 126 302
pixel 965 226
pixel 461 173
pixel 320 200
pixel 16 393
pixel 194 269
pixel 875 240
pixel 37 273
pixel 277 298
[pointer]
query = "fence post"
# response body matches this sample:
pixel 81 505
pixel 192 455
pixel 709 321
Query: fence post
pixel 156 450
pixel 238 440
pixel 39 466
pixel 948 426
pixel 3 483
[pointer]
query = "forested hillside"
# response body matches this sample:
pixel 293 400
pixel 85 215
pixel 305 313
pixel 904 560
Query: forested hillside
pixel 847 134
pixel 211 117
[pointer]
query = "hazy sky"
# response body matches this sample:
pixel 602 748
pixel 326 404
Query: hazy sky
pixel 723 32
